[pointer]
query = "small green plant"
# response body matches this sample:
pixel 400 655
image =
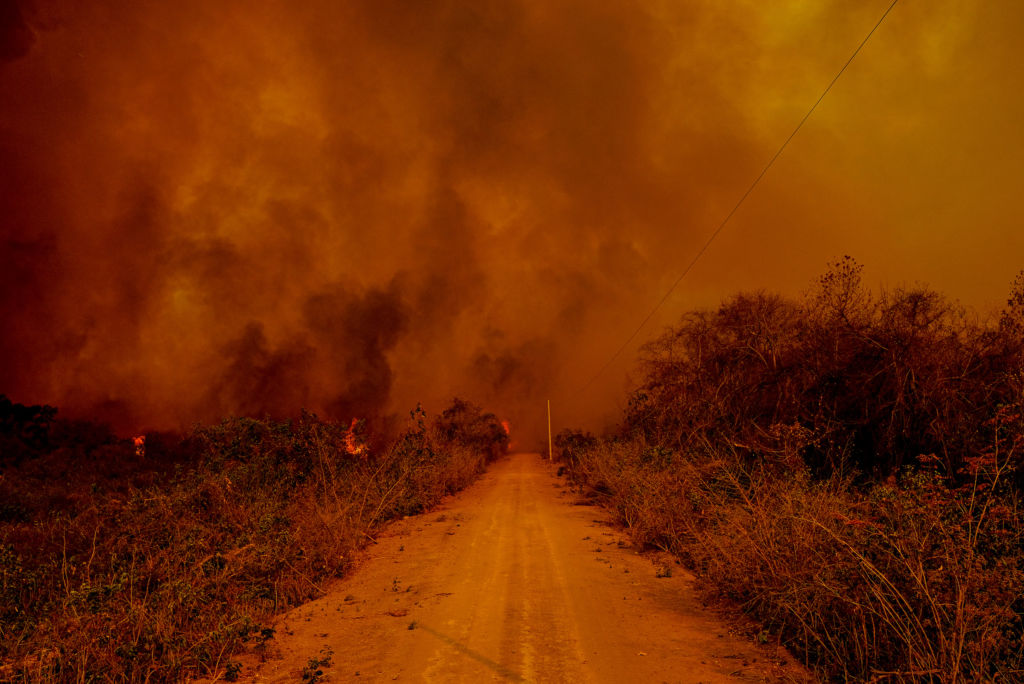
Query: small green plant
pixel 313 672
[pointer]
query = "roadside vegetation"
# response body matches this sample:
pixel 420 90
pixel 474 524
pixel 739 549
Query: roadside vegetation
pixel 847 467
pixel 121 563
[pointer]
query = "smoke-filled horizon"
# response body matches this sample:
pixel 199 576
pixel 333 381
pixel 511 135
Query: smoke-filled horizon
pixel 352 207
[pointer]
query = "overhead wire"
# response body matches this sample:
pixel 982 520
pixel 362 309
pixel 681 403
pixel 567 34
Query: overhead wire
pixel 739 203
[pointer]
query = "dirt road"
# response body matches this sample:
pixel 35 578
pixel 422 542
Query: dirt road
pixel 512 580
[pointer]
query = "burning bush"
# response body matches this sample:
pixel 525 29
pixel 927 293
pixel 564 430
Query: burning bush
pixel 468 425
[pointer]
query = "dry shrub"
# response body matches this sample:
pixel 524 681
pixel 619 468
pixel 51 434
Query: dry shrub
pixel 849 468
pixel 862 382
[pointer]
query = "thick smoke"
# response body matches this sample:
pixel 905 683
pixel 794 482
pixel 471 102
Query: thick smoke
pixel 16 37
pixel 213 208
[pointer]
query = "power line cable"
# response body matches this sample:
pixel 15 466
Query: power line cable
pixel 740 202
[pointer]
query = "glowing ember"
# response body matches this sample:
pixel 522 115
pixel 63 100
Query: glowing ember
pixel 505 426
pixel 352 446
pixel 140 445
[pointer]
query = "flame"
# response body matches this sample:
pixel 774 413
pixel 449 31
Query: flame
pixel 507 427
pixel 352 447
pixel 140 445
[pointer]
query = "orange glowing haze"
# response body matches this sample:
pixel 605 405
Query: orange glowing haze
pixel 245 207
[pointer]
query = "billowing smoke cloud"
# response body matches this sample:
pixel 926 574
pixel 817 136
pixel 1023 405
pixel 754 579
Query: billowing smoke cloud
pixel 213 208
pixel 336 360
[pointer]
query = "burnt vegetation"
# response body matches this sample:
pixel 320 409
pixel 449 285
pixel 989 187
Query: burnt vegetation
pixel 159 564
pixel 846 466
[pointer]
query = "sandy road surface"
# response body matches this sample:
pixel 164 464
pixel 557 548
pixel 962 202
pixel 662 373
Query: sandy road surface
pixel 513 581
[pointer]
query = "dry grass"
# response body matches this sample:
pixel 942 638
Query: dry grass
pixel 115 568
pixel 908 580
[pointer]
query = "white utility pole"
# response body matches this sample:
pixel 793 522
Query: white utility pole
pixel 550 457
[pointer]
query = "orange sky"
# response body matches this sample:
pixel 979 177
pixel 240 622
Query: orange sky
pixel 211 208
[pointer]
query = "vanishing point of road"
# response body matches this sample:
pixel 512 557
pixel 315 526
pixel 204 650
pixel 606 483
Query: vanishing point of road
pixel 512 580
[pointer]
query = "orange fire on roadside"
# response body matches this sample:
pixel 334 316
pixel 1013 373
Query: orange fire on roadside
pixel 352 446
pixel 140 445
pixel 507 427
